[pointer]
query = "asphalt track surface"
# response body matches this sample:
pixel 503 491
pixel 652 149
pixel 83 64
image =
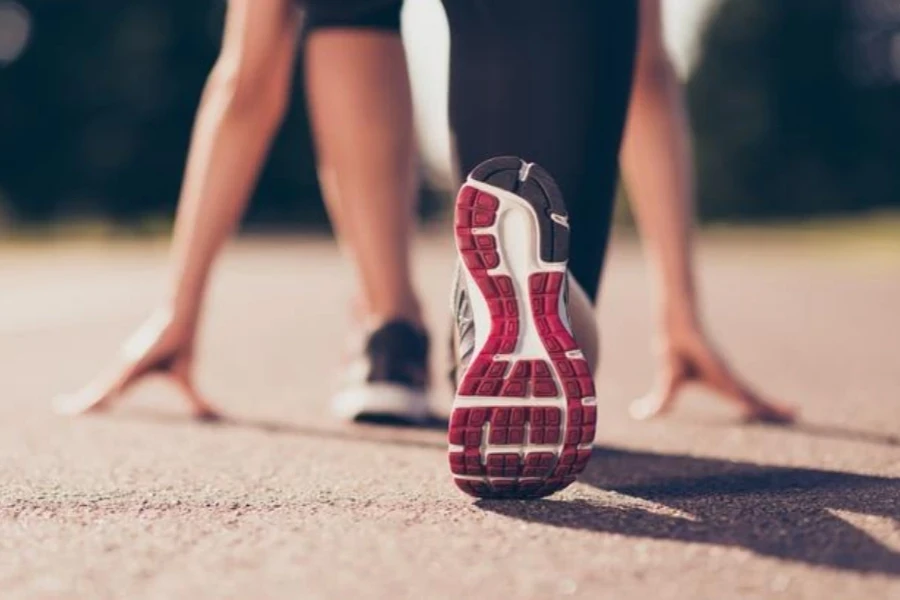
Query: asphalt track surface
pixel 283 502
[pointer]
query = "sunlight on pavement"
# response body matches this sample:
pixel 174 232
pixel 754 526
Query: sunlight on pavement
pixel 884 530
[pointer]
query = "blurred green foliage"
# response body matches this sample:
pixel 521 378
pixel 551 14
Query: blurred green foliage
pixel 95 116
pixel 795 107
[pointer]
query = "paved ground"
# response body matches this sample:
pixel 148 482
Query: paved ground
pixel 284 503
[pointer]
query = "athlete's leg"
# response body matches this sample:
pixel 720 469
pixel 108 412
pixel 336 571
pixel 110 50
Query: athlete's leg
pixel 548 82
pixel 244 101
pixel 242 105
pixel 361 110
pixel 360 104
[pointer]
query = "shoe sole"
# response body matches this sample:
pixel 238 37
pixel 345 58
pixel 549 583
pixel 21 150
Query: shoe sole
pixel 524 415
pixel 382 403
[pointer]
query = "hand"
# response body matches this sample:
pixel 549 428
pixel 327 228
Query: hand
pixel 162 346
pixel 688 357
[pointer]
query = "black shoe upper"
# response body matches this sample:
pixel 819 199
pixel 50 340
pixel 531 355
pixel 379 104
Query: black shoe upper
pixel 397 353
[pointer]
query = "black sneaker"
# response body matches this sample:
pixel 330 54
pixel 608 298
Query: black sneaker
pixel 524 413
pixel 388 380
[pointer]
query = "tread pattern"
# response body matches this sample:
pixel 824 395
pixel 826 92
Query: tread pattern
pixel 540 190
pixel 534 448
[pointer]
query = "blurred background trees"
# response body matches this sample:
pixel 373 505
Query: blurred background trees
pixel 795 106
pixel 96 115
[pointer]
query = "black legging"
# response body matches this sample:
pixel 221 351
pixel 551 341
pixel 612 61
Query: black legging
pixel 544 80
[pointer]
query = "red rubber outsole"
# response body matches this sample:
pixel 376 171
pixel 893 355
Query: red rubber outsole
pixel 489 443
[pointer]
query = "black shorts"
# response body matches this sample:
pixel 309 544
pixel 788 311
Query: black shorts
pixel 366 14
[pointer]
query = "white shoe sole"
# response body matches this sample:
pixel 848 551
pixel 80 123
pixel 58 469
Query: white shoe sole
pixel 380 401
pixel 524 414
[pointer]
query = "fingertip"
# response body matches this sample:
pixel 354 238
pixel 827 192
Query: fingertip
pixel 208 416
pixel 200 408
pixel 774 415
pixel 61 405
pixel 72 405
pixel 645 408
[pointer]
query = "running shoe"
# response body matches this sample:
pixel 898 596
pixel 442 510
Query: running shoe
pixel 387 379
pixel 525 411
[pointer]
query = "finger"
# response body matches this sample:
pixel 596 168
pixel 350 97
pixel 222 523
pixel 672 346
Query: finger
pixel 719 376
pixel 760 410
pixel 142 343
pixel 774 414
pixel 105 390
pixel 81 402
pixel 99 394
pixel 200 408
pixel 710 369
pixel 660 400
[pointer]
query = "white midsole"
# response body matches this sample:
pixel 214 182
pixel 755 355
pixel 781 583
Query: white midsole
pixel 501 401
pixel 521 448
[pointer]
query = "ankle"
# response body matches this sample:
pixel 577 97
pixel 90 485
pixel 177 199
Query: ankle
pixel 410 312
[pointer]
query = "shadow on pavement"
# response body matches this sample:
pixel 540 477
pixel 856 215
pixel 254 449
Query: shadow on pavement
pixel 383 431
pixel 781 512
pixel 788 513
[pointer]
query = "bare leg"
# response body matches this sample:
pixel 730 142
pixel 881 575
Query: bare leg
pixel 242 105
pixel 361 109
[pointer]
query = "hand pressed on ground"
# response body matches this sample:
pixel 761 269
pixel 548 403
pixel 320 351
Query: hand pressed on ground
pixel 162 346
pixel 689 357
